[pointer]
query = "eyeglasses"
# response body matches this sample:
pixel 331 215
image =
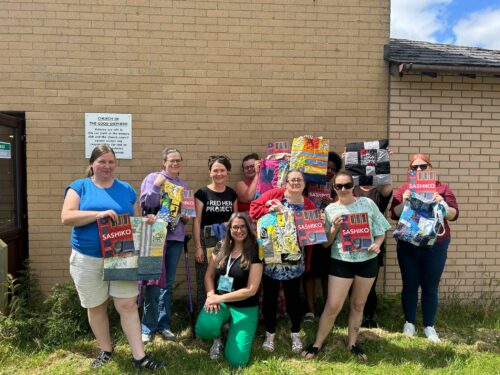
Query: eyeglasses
pixel 237 228
pixel 347 186
pixel 175 161
pixel 296 180
pixel 249 168
pixel 422 167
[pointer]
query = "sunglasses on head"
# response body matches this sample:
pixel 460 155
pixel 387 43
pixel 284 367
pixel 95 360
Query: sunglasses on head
pixel 422 167
pixel 347 186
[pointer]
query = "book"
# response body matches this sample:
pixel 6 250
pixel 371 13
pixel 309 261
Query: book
pixel 310 228
pixel 355 232
pixel 132 248
pixel 422 183
pixel 279 147
pixel 188 206
pixel 316 193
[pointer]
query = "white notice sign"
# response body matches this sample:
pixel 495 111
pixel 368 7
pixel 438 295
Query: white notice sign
pixel 113 129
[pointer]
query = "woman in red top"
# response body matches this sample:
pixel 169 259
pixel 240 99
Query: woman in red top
pixel 289 272
pixel 422 266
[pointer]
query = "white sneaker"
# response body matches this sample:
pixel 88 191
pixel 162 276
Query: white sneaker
pixel 216 349
pixel 167 334
pixel 296 342
pixel 409 329
pixel 268 344
pixel 431 334
pixel 147 337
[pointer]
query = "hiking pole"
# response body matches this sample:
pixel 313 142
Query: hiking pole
pixel 188 275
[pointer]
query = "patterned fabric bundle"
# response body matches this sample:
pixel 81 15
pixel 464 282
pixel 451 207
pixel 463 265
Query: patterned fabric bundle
pixel 369 162
pixel 272 174
pixel 310 156
pixel 277 237
pixel 421 221
pixel 170 204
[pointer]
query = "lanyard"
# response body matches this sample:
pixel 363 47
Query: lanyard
pixel 230 264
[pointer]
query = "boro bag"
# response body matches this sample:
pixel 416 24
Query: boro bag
pixel 170 204
pixel 277 237
pixel 421 222
pixel 272 174
pixel 310 156
pixel 369 162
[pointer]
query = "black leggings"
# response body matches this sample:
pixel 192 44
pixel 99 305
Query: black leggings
pixel 291 288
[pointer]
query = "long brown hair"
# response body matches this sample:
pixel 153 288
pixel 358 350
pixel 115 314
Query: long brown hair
pixel 227 244
pixel 97 152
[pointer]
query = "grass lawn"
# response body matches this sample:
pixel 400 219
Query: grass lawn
pixel 470 345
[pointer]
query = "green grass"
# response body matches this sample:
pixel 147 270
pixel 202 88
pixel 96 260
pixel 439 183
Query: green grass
pixel 470 333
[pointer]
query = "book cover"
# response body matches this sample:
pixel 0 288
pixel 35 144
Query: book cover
pixel 310 228
pixel 355 232
pixel 422 183
pixel 279 147
pixel 116 236
pixel 188 207
pixel 316 193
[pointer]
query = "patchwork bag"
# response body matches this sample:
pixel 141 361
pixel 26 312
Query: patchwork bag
pixel 421 222
pixel 369 162
pixel 310 156
pixel 277 237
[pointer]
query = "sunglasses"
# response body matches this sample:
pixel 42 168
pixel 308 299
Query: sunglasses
pixel 347 186
pixel 422 167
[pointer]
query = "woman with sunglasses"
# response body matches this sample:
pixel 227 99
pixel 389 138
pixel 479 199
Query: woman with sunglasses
pixel 214 204
pixel 349 270
pixel 246 188
pixel 158 293
pixel 288 273
pixel 422 266
pixel 232 280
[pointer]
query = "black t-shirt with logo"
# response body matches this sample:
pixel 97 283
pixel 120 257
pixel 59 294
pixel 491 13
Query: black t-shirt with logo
pixel 240 279
pixel 217 207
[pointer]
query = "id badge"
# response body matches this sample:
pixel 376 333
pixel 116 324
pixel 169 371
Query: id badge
pixel 225 283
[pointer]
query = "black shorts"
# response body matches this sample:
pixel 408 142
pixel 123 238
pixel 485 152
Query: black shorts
pixel 347 270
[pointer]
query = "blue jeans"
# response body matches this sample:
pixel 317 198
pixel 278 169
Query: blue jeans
pixel 158 301
pixel 421 267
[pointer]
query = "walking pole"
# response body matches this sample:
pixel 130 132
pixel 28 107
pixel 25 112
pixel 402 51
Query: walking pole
pixel 190 292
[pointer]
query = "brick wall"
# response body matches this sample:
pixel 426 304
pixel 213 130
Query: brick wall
pixel 455 120
pixel 205 76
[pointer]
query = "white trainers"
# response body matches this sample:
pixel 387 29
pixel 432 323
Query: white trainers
pixel 268 344
pixel 431 334
pixel 296 342
pixel 216 349
pixel 147 337
pixel 409 329
pixel 167 334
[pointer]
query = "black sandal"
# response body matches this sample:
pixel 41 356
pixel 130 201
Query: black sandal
pixel 358 353
pixel 102 358
pixel 147 363
pixel 311 351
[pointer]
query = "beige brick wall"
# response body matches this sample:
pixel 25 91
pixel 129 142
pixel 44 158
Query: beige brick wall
pixel 455 120
pixel 205 76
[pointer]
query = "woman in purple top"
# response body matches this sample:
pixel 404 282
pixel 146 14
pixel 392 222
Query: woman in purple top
pixel 158 294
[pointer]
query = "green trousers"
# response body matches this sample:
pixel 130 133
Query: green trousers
pixel 243 323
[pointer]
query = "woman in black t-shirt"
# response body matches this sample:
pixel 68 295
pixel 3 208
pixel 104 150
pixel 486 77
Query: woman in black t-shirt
pixel 232 280
pixel 214 205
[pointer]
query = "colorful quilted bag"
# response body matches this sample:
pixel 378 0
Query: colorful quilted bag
pixel 310 156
